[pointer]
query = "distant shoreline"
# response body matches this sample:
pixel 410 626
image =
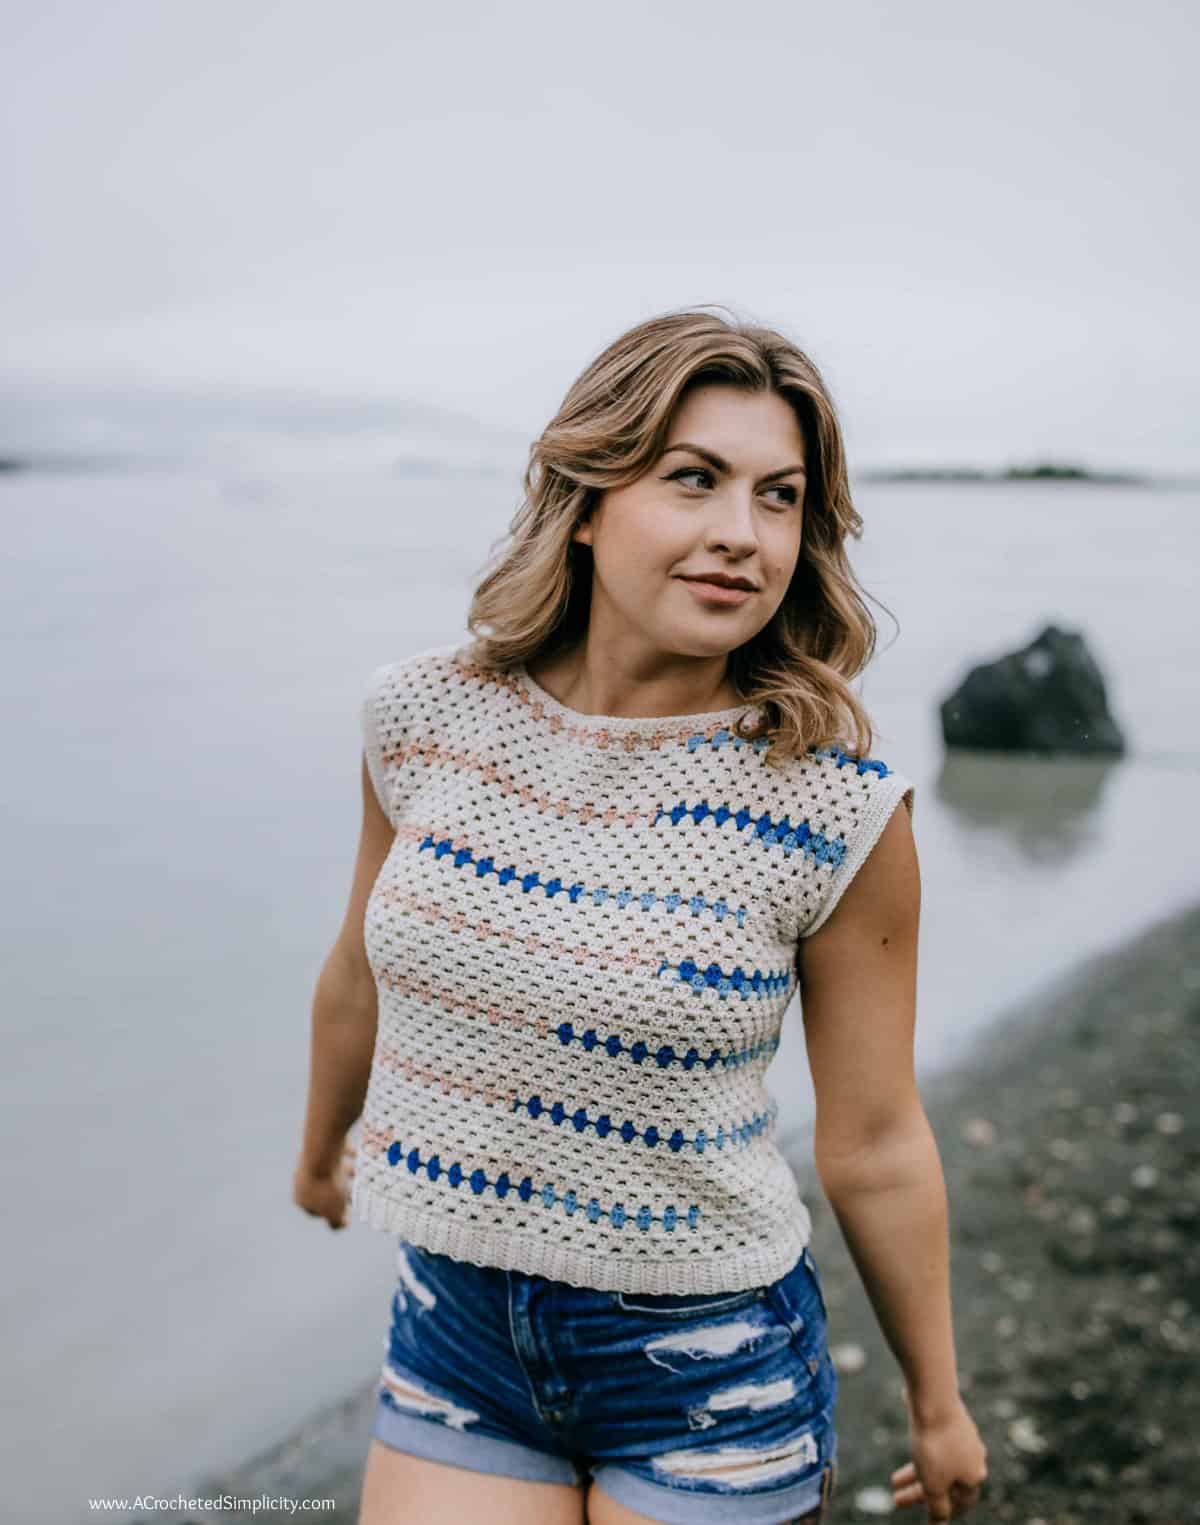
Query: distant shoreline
pixel 1044 472
pixel 17 463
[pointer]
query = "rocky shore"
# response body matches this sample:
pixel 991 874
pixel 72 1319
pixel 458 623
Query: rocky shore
pixel 1070 1143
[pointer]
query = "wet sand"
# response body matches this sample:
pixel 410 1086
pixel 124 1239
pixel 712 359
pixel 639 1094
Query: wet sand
pixel 1070 1142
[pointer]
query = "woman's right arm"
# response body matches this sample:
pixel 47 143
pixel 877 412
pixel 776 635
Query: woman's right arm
pixel 344 1016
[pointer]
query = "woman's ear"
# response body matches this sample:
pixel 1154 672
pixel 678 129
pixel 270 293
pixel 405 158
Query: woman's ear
pixel 582 533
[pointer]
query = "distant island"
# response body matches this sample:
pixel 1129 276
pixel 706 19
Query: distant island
pixel 73 461
pixel 1046 471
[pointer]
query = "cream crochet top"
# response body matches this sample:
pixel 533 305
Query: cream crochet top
pixel 583 940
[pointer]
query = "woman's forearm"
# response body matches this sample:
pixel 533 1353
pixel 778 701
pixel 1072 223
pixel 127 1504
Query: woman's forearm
pixel 344 1018
pixel 890 1203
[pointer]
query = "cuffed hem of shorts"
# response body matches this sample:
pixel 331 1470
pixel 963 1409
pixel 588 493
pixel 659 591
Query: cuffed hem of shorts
pixel 477 1453
pixel 679 1506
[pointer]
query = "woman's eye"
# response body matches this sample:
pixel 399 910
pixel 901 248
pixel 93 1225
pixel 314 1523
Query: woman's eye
pixel 700 471
pixel 689 471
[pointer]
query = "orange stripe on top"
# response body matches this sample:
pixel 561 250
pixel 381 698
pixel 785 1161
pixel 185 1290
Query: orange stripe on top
pixel 598 736
pixel 560 806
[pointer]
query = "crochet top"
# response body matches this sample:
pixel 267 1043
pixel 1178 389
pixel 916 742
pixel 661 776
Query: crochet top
pixel 583 939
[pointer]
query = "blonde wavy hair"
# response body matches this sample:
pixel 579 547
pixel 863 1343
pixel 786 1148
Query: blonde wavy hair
pixel 612 426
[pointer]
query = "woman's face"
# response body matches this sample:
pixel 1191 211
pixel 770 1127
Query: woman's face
pixel 700 510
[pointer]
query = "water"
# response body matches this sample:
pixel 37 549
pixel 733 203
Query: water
pixel 186 658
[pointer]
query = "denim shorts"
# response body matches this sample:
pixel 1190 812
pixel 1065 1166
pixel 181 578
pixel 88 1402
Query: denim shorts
pixel 688 1409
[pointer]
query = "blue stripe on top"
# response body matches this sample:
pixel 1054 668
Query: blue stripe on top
pixel 532 880
pixel 767 833
pixel 478 1181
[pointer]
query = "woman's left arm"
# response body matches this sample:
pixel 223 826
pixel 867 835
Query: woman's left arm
pixel 874 1149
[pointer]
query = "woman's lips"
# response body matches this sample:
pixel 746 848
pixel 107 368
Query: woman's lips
pixel 716 593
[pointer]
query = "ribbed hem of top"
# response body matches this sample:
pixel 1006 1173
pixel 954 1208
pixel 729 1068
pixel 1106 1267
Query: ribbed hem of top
pixel 507 1251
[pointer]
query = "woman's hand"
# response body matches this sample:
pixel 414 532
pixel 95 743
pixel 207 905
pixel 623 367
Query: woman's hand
pixel 949 1464
pixel 326 1196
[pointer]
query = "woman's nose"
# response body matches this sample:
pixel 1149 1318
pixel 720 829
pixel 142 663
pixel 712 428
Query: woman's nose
pixel 732 526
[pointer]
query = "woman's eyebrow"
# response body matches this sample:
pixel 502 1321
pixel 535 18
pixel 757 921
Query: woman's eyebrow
pixel 718 464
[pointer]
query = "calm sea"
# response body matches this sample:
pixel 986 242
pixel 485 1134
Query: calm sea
pixel 185 658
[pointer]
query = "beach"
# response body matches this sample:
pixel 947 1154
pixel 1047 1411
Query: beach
pixel 1071 1152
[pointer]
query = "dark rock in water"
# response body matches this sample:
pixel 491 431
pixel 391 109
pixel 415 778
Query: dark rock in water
pixel 1049 697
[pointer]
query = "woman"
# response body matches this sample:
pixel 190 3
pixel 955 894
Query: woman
pixel 602 846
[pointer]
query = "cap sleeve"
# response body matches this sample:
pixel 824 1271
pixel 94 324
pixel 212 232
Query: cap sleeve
pixel 380 734
pixel 855 799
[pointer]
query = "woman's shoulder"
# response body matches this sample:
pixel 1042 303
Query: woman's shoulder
pixel 834 779
pixel 860 785
pixel 429 666
pixel 434 689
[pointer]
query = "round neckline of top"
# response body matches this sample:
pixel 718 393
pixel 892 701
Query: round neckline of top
pixel 629 723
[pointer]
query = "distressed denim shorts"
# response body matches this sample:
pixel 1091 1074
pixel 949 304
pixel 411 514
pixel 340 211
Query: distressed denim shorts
pixel 688 1409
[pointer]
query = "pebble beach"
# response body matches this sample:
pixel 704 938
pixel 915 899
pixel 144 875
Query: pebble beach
pixel 1071 1150
pixel 1070 1144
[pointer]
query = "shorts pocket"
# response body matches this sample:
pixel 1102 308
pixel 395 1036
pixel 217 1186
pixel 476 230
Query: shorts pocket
pixel 797 1302
pixel 814 1276
pixel 670 1305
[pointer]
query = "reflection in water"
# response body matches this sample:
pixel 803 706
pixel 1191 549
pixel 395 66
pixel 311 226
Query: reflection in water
pixel 1046 806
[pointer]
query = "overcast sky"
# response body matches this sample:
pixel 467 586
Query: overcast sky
pixel 978 220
